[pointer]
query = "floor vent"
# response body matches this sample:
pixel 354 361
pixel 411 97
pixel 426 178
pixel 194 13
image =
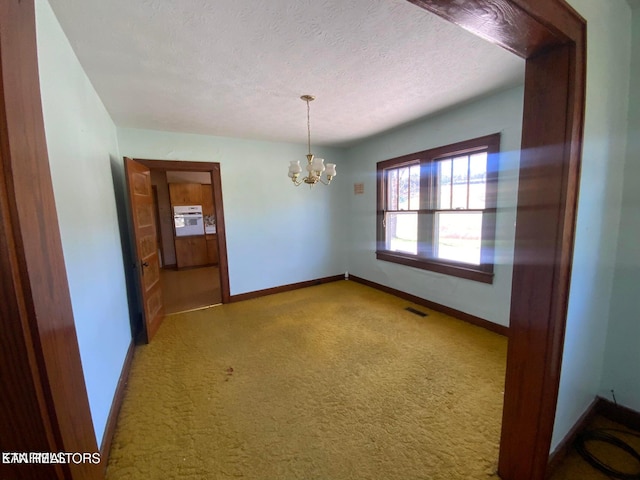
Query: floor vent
pixel 417 312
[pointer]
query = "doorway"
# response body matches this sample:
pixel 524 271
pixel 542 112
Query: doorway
pixel 189 270
pixel 192 265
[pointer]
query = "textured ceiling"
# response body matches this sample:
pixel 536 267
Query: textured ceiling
pixel 238 67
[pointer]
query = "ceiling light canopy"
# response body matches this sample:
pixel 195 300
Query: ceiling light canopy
pixel 315 166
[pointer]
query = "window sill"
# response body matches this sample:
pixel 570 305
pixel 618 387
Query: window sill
pixel 468 273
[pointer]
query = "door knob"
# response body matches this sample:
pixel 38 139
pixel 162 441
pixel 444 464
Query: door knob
pixel 144 264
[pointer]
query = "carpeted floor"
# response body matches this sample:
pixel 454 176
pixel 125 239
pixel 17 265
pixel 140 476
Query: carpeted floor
pixel 336 381
pixel 574 467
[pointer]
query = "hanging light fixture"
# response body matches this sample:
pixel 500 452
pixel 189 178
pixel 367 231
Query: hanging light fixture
pixel 315 166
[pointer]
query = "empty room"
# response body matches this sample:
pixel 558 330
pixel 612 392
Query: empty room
pixel 333 240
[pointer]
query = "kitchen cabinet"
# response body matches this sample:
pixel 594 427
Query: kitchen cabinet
pixel 207 200
pixel 185 194
pixel 212 249
pixel 191 251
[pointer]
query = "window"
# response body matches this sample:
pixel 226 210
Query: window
pixel 437 208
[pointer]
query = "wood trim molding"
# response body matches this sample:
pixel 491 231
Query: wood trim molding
pixel 44 397
pixel 284 288
pixel 425 257
pixel 619 413
pixel 221 230
pixel 549 169
pixel 112 419
pixel 552 38
pixel 515 25
pixel 600 406
pixel 460 271
pixel 467 317
pixel 176 165
pixel 565 445
pixel 557 16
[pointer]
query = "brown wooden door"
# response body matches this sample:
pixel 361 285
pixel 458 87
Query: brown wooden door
pixel 145 234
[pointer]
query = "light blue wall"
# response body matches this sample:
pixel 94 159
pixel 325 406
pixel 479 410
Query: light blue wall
pixel 81 139
pixel 276 233
pixel 622 354
pixel 608 54
pixel 499 113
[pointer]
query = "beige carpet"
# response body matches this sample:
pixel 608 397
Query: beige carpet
pixel 574 467
pixel 330 382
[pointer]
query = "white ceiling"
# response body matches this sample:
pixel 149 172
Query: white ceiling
pixel 238 67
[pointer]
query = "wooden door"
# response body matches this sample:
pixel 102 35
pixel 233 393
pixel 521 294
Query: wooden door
pixel 145 234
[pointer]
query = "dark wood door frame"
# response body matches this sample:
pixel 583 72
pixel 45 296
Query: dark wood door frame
pixel 44 406
pixel 47 405
pixel 551 36
pixel 213 168
pixel 156 214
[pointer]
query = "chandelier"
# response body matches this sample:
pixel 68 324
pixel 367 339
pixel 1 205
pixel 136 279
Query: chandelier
pixel 315 166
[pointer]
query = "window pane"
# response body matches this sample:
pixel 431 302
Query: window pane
pixel 444 185
pixel 414 184
pixel 477 180
pixel 392 189
pixel 402 232
pixel 403 188
pixel 458 236
pixel 460 179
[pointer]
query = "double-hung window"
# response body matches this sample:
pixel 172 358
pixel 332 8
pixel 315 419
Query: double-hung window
pixel 437 209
